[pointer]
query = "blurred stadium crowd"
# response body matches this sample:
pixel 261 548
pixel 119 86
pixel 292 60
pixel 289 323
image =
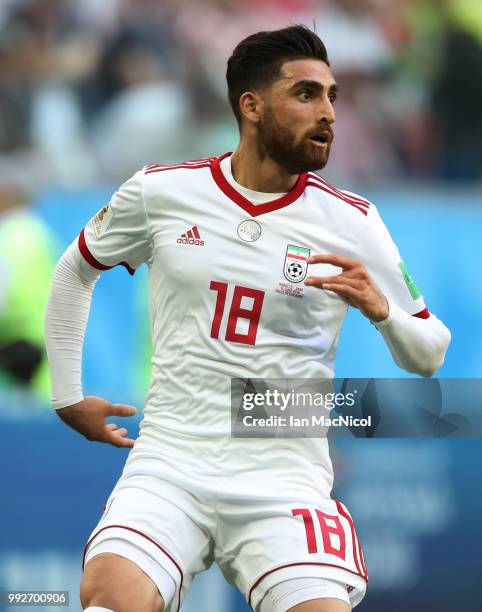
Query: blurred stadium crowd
pixel 91 91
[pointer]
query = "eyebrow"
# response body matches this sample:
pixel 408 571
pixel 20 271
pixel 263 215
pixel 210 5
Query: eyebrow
pixel 314 85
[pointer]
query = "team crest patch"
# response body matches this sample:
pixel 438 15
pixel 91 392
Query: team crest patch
pixel 296 266
pixel 102 220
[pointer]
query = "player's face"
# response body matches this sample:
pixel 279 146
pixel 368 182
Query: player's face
pixel 295 128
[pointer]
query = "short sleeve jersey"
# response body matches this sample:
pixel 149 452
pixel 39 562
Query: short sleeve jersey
pixel 226 291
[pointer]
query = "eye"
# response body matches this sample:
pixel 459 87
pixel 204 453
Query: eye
pixel 332 97
pixel 304 95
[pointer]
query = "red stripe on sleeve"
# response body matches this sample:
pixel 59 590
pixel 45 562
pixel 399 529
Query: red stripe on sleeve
pixel 87 255
pixel 90 259
pixel 423 314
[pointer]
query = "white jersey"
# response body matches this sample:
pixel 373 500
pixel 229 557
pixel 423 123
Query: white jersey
pixel 226 291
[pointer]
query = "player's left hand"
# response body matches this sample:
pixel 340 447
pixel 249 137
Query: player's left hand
pixel 354 285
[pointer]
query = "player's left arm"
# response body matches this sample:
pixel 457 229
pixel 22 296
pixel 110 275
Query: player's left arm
pixel 378 284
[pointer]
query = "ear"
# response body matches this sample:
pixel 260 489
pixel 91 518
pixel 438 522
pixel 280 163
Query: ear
pixel 250 104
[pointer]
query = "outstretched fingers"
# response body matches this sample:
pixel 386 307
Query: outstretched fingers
pixel 117 438
pixel 114 435
pixel 122 410
pixel 335 260
pixel 330 282
pixel 354 285
pixel 348 293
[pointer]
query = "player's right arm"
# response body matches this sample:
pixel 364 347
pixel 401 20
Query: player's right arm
pixel 118 234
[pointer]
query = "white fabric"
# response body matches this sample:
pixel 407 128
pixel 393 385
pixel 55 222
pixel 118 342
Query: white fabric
pixel 417 345
pixel 189 509
pixel 97 609
pixel 65 323
pixel 378 252
pixel 127 238
pixel 257 197
pixel 158 575
pixel 289 593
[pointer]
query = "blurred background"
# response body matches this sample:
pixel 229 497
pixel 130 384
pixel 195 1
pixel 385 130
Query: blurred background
pixel 92 91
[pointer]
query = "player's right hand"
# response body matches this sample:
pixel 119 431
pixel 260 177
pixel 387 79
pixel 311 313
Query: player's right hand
pixel 88 418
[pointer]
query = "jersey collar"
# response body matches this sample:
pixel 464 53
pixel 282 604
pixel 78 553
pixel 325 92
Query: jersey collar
pixel 255 210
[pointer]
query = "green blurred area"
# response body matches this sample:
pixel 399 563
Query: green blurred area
pixel 28 257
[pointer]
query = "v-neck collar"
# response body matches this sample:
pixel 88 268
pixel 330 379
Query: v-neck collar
pixel 255 210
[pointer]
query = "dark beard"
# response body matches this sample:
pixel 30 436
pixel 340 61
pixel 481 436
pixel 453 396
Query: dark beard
pixel 277 142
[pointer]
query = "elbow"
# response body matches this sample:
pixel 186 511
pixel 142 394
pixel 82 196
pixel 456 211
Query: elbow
pixel 423 368
pixel 434 358
pixel 428 372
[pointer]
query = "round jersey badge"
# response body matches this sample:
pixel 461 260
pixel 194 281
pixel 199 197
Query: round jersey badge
pixel 249 230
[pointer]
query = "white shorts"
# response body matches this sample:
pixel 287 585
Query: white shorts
pixel 260 529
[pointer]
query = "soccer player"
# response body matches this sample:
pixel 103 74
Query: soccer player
pixel 253 260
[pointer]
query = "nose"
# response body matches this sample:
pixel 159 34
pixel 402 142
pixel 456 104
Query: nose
pixel 327 112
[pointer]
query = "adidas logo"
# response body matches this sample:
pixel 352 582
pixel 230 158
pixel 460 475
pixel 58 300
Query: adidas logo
pixel 191 237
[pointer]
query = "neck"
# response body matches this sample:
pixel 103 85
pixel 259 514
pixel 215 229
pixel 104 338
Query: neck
pixel 257 171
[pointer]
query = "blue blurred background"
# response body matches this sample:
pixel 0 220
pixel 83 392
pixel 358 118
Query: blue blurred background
pixel 90 92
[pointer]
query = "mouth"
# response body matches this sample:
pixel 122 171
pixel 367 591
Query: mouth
pixel 321 139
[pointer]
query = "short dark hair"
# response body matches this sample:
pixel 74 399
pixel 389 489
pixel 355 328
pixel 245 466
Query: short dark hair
pixel 257 59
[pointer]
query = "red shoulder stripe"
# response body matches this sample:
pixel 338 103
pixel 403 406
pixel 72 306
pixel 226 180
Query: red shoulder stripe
pixel 90 259
pixel 202 160
pixel 323 188
pixel 183 163
pixel 189 162
pixel 152 170
pixel 339 192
